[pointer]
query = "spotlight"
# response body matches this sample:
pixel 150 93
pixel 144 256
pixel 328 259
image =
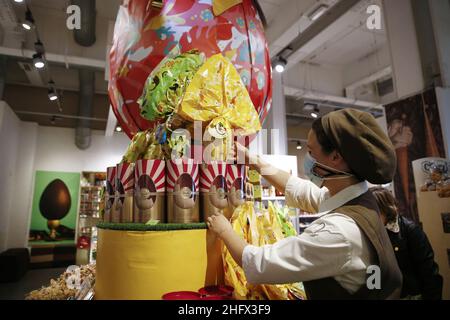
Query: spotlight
pixel 316 113
pixel 299 146
pixel 29 21
pixel 38 61
pixel 280 64
pixel 118 129
pixel 18 1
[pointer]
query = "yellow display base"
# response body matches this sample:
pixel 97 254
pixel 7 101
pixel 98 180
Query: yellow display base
pixel 144 265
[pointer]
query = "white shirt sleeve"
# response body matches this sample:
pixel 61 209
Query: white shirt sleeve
pixel 321 251
pixel 304 194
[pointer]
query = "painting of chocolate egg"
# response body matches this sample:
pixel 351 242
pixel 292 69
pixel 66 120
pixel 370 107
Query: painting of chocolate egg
pixel 147 31
pixel 55 201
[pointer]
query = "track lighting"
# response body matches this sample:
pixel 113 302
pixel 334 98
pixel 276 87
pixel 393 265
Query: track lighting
pixel 316 113
pixel 38 61
pixel 280 64
pixel 52 94
pixel 118 129
pixel 299 146
pixel 28 24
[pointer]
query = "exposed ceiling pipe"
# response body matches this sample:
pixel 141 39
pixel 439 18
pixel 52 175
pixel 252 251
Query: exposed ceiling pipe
pixel 86 98
pixel 86 36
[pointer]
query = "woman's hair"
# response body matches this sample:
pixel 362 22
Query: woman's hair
pixel 386 202
pixel 322 138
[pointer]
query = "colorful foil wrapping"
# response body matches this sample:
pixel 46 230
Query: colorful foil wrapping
pixel 259 230
pixel 145 35
pixel 217 95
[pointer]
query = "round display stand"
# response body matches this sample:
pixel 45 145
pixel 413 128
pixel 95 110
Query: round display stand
pixel 140 262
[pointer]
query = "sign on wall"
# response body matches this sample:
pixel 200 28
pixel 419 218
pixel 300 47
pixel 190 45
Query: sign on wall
pixel 55 204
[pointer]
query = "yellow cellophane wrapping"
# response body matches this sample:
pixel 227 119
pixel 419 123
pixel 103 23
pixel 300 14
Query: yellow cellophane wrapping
pixel 217 93
pixel 135 265
pixel 259 230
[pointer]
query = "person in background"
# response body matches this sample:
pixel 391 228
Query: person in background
pixel 415 256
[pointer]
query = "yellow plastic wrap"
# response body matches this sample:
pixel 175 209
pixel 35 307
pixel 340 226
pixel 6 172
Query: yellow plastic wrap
pixel 216 95
pixel 259 230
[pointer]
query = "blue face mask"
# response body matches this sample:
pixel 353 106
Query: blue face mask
pixel 310 163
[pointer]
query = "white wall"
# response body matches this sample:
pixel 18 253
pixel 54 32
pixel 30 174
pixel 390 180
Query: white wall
pixel 26 147
pixel 9 136
pixel 56 151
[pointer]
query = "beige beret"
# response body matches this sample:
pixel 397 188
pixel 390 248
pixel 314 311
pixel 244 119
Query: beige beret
pixel 362 143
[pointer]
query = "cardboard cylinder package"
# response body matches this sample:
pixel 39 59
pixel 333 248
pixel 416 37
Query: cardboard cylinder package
pixel 182 191
pixel 149 191
pixel 213 188
pixel 124 204
pixel 110 193
pixel 236 181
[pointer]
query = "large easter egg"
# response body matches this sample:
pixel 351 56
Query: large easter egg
pixel 145 33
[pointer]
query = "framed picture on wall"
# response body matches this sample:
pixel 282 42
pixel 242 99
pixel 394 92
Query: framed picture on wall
pixel 54 210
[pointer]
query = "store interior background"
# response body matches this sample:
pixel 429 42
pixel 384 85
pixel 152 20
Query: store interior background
pixel 340 64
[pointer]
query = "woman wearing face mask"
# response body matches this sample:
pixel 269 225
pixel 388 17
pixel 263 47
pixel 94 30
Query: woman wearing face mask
pixel 332 257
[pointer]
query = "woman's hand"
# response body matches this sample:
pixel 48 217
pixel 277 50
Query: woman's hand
pixel 219 224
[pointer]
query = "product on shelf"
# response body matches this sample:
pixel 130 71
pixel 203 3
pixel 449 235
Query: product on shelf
pixel 110 192
pixel 69 285
pixel 166 85
pixel 236 181
pixel 259 230
pixel 149 191
pixel 124 204
pixel 213 188
pixel 182 191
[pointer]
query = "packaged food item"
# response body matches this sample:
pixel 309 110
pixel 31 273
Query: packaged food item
pixel 258 230
pixel 138 146
pixel 149 191
pixel 74 284
pixel 213 188
pixel 164 88
pixel 124 204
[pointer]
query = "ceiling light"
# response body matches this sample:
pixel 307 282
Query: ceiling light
pixel 299 146
pixel 52 94
pixel 318 12
pixel 29 21
pixel 38 61
pixel 316 113
pixel 119 129
pixel 39 47
pixel 280 64
pixel 18 1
